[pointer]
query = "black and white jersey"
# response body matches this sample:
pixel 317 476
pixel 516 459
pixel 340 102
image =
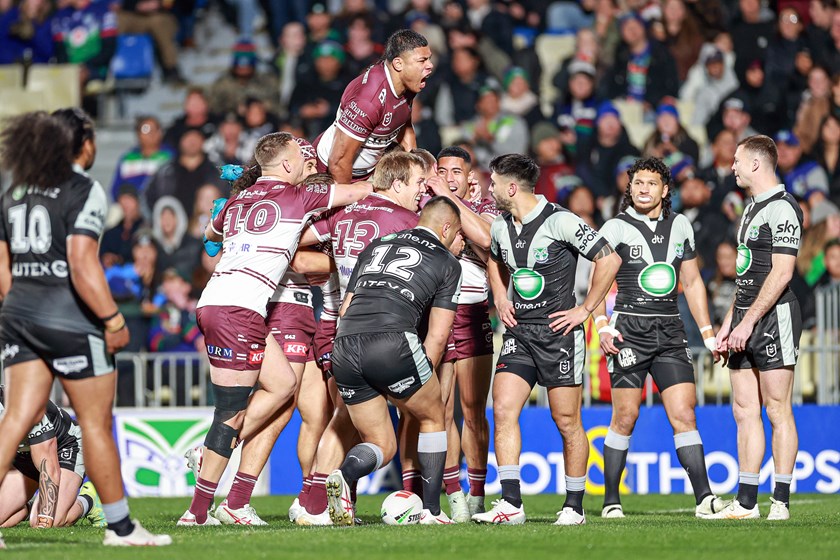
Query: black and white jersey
pixel 396 278
pixel 771 223
pixel 652 251
pixel 56 423
pixel 36 223
pixel 541 256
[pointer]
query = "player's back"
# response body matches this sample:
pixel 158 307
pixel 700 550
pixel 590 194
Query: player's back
pixel 261 228
pixel 36 223
pixel 396 278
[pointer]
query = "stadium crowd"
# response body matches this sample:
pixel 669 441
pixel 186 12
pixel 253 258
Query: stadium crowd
pixel 695 77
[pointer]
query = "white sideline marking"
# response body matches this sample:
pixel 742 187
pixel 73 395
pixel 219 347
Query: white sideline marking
pixel 686 510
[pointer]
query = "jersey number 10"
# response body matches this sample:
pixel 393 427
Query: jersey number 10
pixel 33 234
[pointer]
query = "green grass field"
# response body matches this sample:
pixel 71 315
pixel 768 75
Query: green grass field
pixel 656 527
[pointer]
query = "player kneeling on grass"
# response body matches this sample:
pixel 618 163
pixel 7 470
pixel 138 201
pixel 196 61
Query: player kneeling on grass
pixel 646 333
pixel 378 355
pixel 50 461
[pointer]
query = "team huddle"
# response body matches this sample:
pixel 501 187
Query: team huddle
pixel 407 252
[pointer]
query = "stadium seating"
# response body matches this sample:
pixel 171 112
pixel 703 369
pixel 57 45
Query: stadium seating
pixel 58 83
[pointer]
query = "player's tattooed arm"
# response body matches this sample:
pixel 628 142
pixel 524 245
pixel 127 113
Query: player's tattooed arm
pixel 605 250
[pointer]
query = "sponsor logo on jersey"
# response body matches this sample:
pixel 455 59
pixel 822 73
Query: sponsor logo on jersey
pixel 386 120
pixel 401 385
pixel 36 269
pixel 771 350
pixel 509 347
pixel 528 283
pixel 9 351
pixel 256 356
pixel 584 236
pixel 744 260
pixel 353 111
pixel 541 254
pixel 753 233
pixel 70 364
pixel 635 251
pixel 346 393
pixel 787 233
pixel 688 353
pixel 294 349
pixel 657 239
pixel 504 255
pixel 382 95
pixel 658 279
pixel 520 244
pixel 389 237
pixel 626 357
pixel 318 188
pixel 679 250
pixel 224 354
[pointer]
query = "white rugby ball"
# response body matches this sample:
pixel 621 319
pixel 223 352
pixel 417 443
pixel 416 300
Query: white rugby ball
pixel 402 508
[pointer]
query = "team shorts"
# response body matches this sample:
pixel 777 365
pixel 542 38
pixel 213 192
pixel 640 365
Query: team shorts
pixel 774 342
pixel 653 344
pixel 390 364
pixel 70 457
pixel 234 336
pixel 449 353
pixel 540 356
pixel 68 354
pixel 293 327
pixel 473 333
pixel 323 345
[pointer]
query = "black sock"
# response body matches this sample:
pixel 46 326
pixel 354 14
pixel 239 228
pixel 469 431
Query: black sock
pixel 615 459
pixel 747 489
pixel 511 492
pixel 88 500
pixel 781 493
pixel 431 454
pixel 362 460
pixel 123 527
pixel 693 460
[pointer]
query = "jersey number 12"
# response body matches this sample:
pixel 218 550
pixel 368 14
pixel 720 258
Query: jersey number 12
pixel 400 267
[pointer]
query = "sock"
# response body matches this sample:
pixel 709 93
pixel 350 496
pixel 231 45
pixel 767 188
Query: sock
pixel 86 502
pixel 693 460
pixel 362 460
pixel 412 482
pixel 509 477
pixel 451 479
pixel 476 478
pixel 203 498
pixel 575 486
pixel 747 489
pixel 304 491
pixel 781 492
pixel 116 514
pixel 317 501
pixel 431 455
pixel 241 490
pixel 615 458
pixel 353 487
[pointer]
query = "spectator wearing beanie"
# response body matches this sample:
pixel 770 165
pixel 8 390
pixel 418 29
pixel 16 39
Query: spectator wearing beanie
pixel 229 91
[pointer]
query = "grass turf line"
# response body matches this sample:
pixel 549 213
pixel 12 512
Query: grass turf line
pixel 655 527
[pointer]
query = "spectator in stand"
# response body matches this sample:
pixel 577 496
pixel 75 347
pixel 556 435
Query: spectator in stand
pixel 832 264
pixel 721 288
pixel 718 175
pixel 669 136
pixel 226 146
pixel 85 33
pixel 587 51
pixel 425 25
pixel 610 206
pixel 176 249
pixel 154 17
pixel 644 70
pixel 137 165
pixel 425 128
pixel 766 101
pixel 117 242
pixel 350 9
pixel 751 34
pixel 362 51
pixel 607 34
pixel 736 118
pixel 26 33
pixel 709 82
pixel 579 111
pixel 818 31
pixel 548 152
pixel 597 161
pixel 458 95
pixel 682 35
pixel 291 65
pixel 319 24
pixel 566 16
pixel 257 122
pixel 201 210
pixel 183 176
pixel 317 97
pixel 827 153
pixel 518 99
pixel 815 105
pixel 174 327
pixel 229 92
pixel 783 48
pixel 493 24
pixel 492 131
pixel 825 226
pixel 196 116
pixel 710 226
pixel 802 175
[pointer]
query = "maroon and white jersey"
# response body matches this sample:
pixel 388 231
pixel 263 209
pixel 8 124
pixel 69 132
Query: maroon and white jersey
pixel 294 288
pixel 370 112
pixel 474 277
pixel 331 292
pixel 261 228
pixel 351 229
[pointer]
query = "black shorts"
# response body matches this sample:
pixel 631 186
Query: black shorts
pixel 68 354
pixel 538 355
pixel 652 344
pixel 389 364
pixel 774 342
pixel 70 457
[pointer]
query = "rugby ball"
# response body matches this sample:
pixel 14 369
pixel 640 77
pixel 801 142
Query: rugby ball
pixel 402 508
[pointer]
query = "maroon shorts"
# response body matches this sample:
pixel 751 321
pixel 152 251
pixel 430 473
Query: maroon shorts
pixel 449 354
pixel 473 331
pixel 293 327
pixel 324 339
pixel 234 336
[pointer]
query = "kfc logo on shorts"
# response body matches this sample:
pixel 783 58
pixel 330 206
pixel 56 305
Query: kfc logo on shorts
pixel 224 354
pixel 256 356
pixel 294 349
pixel 70 364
